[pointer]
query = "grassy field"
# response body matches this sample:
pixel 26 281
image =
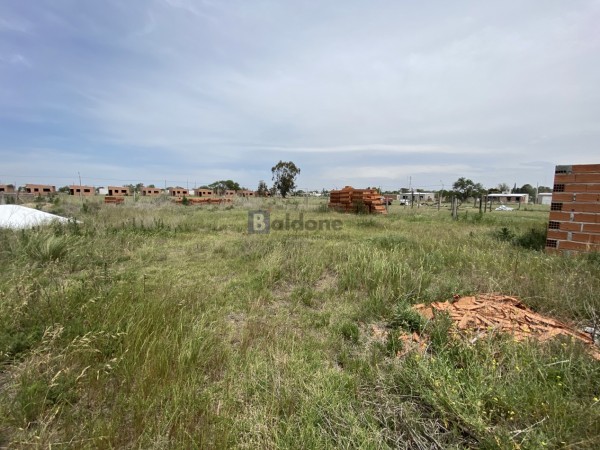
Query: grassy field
pixel 151 325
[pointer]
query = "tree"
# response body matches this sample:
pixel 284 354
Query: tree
pixel 284 177
pixel 465 188
pixel 263 189
pixel 224 185
pixel 503 187
pixel 526 189
pixel 64 190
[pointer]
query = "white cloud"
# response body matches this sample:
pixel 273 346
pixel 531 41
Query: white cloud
pixel 466 87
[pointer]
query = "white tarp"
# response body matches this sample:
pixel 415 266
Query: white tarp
pixel 16 217
pixel 504 208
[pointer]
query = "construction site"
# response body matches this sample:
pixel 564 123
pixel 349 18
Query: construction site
pixel 478 323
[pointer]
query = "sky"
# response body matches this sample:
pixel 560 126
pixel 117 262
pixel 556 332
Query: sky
pixel 384 93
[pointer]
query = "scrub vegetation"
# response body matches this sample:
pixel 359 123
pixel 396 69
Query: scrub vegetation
pixel 151 325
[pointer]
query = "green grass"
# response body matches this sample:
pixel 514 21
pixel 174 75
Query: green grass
pixel 151 325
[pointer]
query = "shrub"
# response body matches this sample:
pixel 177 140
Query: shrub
pixel 408 319
pixel 534 239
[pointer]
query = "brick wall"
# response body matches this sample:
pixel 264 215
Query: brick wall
pixel 574 222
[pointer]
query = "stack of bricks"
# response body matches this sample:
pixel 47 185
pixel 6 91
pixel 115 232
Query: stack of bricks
pixel 357 200
pixel 203 200
pixel 112 200
pixel 574 223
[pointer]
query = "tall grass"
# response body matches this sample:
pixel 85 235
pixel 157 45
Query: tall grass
pixel 157 326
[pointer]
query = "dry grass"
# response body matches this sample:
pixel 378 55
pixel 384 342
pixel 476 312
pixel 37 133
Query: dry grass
pixel 157 326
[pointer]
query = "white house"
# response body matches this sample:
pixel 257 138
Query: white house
pixel 419 197
pixel 509 198
pixel 544 198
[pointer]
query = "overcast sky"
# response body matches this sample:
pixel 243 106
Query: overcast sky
pixel 366 93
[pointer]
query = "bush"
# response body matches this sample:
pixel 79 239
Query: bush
pixel 534 239
pixel 408 319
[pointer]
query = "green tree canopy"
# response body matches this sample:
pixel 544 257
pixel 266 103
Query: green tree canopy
pixel 224 185
pixel 284 177
pixel 263 189
pixel 465 188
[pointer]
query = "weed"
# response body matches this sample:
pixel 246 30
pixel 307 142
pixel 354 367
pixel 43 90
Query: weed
pixel 407 319
pixel 152 325
pixel 533 239
pixel 350 331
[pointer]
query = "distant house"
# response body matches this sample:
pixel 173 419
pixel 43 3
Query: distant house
pixel 40 189
pixel 118 191
pixel 151 192
pixel 509 198
pixel 179 192
pixel 544 198
pixel 7 189
pixel 246 193
pixel 419 197
pixel 81 190
pixel 229 193
pixel 204 192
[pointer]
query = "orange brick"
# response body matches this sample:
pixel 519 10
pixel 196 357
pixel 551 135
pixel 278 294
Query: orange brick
pixel 560 216
pixel 583 168
pixel 561 178
pixel 581 207
pixel 587 178
pixel 556 234
pixel 586 237
pixel 591 227
pixel 587 218
pixel 577 246
pixel 588 197
pixel 563 197
pixel 576 187
pixel 570 226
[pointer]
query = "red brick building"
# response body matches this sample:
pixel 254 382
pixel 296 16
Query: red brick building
pixel 574 222
pixel 179 192
pixel 82 190
pixel 118 191
pixel 7 189
pixel 40 189
pixel 151 192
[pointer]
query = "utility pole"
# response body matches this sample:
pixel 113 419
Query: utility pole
pixel 80 193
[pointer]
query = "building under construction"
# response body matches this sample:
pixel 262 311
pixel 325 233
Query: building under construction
pixel 574 222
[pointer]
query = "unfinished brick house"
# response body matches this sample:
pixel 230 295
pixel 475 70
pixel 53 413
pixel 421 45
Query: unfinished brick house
pixel 229 193
pixel 82 190
pixel 204 192
pixel 179 192
pixel 151 192
pixel 574 222
pixel 246 193
pixel 118 191
pixel 7 189
pixel 40 189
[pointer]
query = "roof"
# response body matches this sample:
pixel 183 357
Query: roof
pixel 507 195
pixel 17 217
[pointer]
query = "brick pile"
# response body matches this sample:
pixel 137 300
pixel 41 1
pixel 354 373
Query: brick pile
pixel 357 200
pixel 574 222
pixel 112 200
pixel 203 200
